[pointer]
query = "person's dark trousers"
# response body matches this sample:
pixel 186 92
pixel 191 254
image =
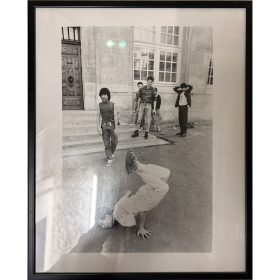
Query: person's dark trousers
pixel 110 140
pixel 183 118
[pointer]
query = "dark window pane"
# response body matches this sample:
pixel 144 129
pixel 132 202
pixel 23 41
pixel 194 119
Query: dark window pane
pixel 167 77
pixel 162 56
pixel 209 71
pixel 151 65
pixel 174 67
pixel 208 81
pixel 151 73
pixel 161 66
pixel 212 72
pixel 161 76
pixel 176 30
pixel 176 41
pixel 143 75
pixel 170 29
pixel 175 57
pixel 136 75
pixel 211 82
pixel 169 39
pixel 151 55
pixel 163 29
pixel 173 78
pixel 163 38
pixel 168 66
pixel 168 56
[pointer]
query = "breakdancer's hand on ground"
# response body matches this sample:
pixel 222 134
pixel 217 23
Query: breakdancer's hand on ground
pixel 144 233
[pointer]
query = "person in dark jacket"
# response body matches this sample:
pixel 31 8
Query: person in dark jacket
pixel 183 102
pixel 156 116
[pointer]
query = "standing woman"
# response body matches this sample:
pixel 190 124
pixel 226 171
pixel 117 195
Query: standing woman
pixel 107 121
pixel 183 102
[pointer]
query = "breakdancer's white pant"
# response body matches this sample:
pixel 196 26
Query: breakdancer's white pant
pixel 146 198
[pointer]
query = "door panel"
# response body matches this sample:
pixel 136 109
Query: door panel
pixel 72 97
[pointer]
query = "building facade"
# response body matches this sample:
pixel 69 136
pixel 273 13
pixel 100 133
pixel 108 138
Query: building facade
pixel 119 57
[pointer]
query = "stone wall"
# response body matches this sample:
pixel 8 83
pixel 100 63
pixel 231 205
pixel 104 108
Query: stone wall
pixel 201 49
pixel 107 61
pixel 107 54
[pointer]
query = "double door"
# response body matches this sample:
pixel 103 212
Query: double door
pixel 72 91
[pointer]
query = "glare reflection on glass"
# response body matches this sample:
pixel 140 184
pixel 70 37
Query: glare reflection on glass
pixel 93 200
pixel 122 44
pixel 110 44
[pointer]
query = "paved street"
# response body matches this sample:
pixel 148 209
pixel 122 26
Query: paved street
pixel 182 222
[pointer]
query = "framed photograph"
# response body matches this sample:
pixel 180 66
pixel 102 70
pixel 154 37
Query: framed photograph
pixel 140 140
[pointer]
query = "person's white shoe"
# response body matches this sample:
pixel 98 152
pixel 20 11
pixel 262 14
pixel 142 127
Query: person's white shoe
pixel 109 163
pixel 113 156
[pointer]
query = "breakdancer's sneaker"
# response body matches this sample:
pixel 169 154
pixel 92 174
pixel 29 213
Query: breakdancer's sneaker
pixel 130 162
pixel 107 222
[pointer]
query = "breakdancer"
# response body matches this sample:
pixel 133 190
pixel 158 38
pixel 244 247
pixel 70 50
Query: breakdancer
pixel 146 197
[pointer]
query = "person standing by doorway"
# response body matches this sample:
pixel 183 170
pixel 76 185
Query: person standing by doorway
pixel 107 122
pixel 183 102
pixel 146 99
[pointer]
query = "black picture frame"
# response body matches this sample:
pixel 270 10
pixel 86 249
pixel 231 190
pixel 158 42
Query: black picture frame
pixel 32 5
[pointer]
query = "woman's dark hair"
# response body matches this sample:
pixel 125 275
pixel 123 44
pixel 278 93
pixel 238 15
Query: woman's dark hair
pixel 139 83
pixel 150 78
pixel 105 91
pixel 155 89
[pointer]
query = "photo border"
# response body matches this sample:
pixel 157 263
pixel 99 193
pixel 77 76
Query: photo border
pixel 32 5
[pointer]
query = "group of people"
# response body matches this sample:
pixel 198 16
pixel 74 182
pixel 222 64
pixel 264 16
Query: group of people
pixel 147 106
pixel 148 103
pixel 147 110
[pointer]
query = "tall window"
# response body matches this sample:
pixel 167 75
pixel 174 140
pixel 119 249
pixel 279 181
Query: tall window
pixel 169 35
pixel 157 52
pixel 145 34
pixel 70 34
pixel 168 66
pixel 143 65
pixel 210 73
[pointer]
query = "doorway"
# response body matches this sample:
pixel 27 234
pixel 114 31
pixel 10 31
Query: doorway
pixel 72 90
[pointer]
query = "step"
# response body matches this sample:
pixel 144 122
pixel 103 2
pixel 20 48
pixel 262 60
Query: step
pixel 68 114
pixel 121 137
pixel 78 136
pixel 121 145
pixel 92 129
pixel 98 140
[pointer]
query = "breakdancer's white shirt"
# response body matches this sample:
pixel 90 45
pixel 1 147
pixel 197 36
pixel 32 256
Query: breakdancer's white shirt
pixel 146 198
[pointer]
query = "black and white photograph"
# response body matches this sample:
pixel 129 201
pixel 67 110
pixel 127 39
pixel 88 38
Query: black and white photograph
pixel 139 162
pixel 136 143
